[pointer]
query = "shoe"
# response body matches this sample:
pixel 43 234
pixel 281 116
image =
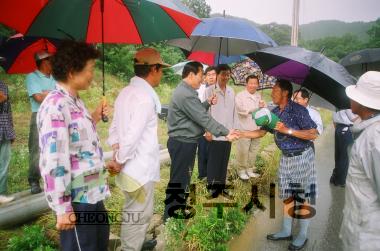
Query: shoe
pixel 294 247
pixel 35 188
pixel 149 245
pixel 5 199
pixel 213 193
pixel 243 175
pixel 252 174
pixel 227 194
pixel 274 238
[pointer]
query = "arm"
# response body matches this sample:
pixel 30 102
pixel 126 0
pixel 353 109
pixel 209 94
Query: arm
pixel 309 134
pixel 3 97
pixel 253 134
pixel 39 97
pixel 129 132
pixel 55 156
pixel 193 109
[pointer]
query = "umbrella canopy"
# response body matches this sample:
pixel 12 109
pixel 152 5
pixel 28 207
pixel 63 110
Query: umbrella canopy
pixel 241 70
pixel 359 62
pixel 225 36
pixel 178 68
pixel 122 21
pixel 19 52
pixel 316 72
pixel 211 58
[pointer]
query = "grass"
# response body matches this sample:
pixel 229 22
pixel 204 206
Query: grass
pixel 206 231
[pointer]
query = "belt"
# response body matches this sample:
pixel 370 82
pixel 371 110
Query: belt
pixel 293 153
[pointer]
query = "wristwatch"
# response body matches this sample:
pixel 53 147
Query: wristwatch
pixel 290 131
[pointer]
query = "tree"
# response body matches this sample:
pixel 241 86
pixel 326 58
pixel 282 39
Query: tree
pixel 280 33
pixel 199 7
pixel 374 35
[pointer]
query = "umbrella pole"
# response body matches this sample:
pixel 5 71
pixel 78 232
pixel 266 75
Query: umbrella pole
pixel 220 47
pixel 104 101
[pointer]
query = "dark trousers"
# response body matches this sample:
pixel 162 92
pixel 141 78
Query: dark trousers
pixel 203 145
pixel 343 138
pixel 182 157
pixel 34 151
pixel 218 157
pixel 93 235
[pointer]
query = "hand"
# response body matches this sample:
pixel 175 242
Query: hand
pixel 213 100
pixel 262 103
pixel 101 109
pixel 115 148
pixel 208 136
pixel 233 135
pixel 281 128
pixel 66 221
pixel 113 167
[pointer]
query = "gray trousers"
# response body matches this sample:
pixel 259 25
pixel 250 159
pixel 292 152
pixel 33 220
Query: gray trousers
pixel 137 213
pixel 5 157
pixel 247 150
pixel 34 151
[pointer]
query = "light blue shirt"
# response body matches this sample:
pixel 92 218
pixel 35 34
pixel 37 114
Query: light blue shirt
pixel 37 82
pixel 316 117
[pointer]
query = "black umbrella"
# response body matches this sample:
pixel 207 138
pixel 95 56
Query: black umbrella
pixel 310 69
pixel 359 62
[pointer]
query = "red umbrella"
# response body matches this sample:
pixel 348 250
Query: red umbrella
pixel 19 52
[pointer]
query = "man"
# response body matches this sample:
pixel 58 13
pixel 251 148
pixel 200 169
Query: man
pixel 7 136
pixel 187 121
pixel 223 112
pixel 39 83
pixel 297 175
pixel 302 97
pixel 133 137
pixel 203 144
pixel 360 227
pixel 343 120
pixel 247 102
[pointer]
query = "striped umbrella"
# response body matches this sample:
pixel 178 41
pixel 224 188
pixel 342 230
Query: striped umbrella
pixel 100 21
pixel 19 51
pixel 97 21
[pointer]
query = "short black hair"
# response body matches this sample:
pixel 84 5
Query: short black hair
pixel 250 77
pixel 222 67
pixel 285 85
pixel 304 93
pixel 193 66
pixel 210 68
pixel 72 56
pixel 143 71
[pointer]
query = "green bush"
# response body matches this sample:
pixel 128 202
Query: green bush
pixel 33 238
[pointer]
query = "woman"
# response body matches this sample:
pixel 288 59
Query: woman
pixel 71 159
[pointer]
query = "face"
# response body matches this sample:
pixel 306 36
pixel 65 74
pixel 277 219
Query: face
pixel 252 85
pixel 197 78
pixel 223 77
pixel 278 94
pixel 355 107
pixel 82 80
pixel 299 99
pixel 46 66
pixel 210 77
pixel 157 75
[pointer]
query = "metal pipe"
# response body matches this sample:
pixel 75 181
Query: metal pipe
pixel 30 206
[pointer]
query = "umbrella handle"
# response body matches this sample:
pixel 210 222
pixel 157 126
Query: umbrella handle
pixel 104 117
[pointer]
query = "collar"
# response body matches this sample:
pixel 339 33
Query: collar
pixel 41 75
pixel 187 86
pixel 61 89
pixel 361 126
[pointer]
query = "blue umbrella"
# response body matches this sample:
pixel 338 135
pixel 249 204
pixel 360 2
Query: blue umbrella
pixel 359 62
pixel 225 36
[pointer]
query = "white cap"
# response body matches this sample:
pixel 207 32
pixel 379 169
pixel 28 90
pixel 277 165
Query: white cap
pixel 367 90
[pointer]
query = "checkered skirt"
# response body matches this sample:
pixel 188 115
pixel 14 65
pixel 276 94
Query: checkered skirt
pixel 298 175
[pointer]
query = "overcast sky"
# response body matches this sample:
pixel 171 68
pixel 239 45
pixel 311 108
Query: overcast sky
pixel 280 11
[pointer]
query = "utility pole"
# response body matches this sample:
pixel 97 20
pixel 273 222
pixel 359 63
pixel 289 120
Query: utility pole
pixel 295 22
